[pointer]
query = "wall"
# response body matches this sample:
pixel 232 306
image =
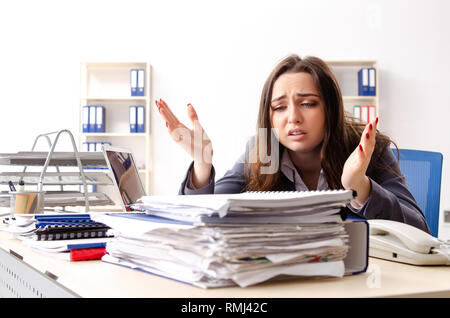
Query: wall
pixel 216 55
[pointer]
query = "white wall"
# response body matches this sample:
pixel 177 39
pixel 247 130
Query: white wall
pixel 216 55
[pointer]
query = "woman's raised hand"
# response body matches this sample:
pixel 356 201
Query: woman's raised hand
pixel 194 141
pixel 354 172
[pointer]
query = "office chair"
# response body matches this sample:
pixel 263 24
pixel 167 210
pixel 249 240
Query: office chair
pixel 423 170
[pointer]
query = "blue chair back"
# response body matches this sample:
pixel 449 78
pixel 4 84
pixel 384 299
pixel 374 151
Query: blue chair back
pixel 423 170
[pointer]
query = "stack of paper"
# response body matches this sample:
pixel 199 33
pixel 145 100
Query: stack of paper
pixel 221 240
pixel 65 236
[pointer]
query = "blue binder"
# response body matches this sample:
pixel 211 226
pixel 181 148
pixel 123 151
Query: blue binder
pixel 140 82
pixel 85 119
pixel 372 81
pixel 363 82
pixel 140 119
pixel 85 147
pixel 91 146
pixel 133 117
pixel 92 119
pixel 98 146
pixel 100 119
pixel 133 81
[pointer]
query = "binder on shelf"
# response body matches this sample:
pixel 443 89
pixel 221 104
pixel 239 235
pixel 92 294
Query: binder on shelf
pixel 363 82
pixel 98 146
pixel 100 119
pixel 90 147
pixel 364 113
pixel 140 82
pixel 85 118
pixel 85 147
pixel 372 113
pixel 357 112
pixel 372 82
pixel 140 119
pixel 134 81
pixel 92 118
pixel 368 113
pixel 133 118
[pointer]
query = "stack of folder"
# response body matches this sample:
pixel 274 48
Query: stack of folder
pixel 365 113
pixel 137 119
pixel 367 82
pixel 137 81
pixel 71 237
pixel 93 119
pixel 94 146
pixel 243 239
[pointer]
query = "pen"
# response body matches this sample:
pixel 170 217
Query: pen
pixel 21 186
pixel 11 186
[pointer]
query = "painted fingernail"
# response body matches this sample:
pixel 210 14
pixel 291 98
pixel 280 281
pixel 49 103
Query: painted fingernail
pixel 167 125
pixel 376 121
pixel 367 135
pixel 370 126
pixel 360 148
pixel 156 102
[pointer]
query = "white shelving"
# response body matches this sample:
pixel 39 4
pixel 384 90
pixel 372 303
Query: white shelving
pixel 115 134
pixel 108 84
pixel 104 98
pixel 346 72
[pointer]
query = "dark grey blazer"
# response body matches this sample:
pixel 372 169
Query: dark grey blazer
pixel 389 199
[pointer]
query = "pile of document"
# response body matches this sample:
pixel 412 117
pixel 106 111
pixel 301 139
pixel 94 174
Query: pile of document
pixel 66 236
pixel 223 240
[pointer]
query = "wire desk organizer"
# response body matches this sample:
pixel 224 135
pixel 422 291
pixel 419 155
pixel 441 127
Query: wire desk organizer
pixel 73 158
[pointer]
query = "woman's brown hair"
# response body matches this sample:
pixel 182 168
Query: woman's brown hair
pixel 342 132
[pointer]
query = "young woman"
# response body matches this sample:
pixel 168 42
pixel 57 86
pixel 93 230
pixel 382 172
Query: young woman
pixel 311 143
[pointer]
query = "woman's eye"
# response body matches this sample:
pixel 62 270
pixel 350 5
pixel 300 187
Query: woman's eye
pixel 308 104
pixel 277 108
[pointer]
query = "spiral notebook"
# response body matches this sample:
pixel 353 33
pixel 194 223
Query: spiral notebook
pixel 64 227
pixel 69 232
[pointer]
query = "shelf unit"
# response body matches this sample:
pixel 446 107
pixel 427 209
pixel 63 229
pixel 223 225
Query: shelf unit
pixel 346 72
pixel 108 84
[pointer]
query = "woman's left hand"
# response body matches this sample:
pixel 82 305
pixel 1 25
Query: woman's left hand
pixel 354 172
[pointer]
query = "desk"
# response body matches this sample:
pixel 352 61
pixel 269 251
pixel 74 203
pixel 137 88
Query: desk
pixel 46 276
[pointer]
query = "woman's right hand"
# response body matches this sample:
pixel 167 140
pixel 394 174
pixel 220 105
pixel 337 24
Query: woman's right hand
pixel 194 141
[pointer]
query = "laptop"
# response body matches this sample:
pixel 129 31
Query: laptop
pixel 125 175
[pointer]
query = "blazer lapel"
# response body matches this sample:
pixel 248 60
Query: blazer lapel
pixel 284 184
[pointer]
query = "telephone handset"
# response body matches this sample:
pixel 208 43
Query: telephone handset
pixel 400 242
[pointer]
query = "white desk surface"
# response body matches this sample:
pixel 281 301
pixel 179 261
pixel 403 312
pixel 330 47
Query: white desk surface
pixel 103 280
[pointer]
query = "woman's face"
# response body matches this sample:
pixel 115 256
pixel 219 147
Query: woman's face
pixel 297 111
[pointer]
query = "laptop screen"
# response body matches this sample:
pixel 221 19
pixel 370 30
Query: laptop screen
pixel 126 176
